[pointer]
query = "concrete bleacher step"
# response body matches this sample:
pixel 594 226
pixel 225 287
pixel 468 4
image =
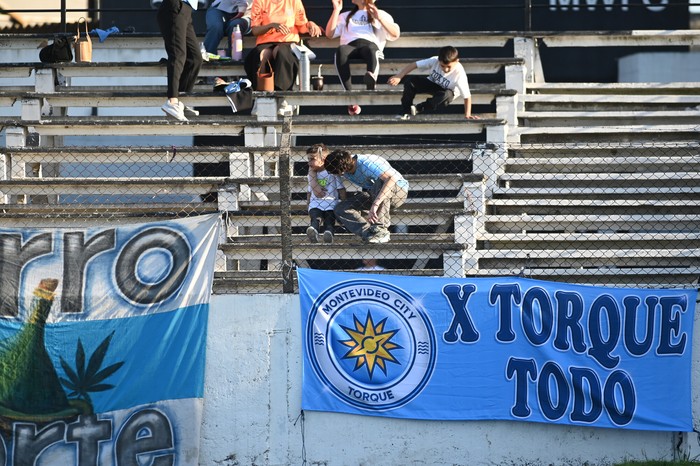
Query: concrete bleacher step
pixel 575 118
pixel 632 192
pixel 629 257
pixel 591 222
pixel 299 184
pixel 598 134
pixel 345 247
pixel 93 186
pixel 584 205
pixel 212 154
pixel 585 179
pixel 615 89
pixel 104 69
pixel 588 152
pixel 601 164
pixel 270 281
pixel 643 265
pixel 303 125
pixel 84 215
pixel 154 98
pixel 592 240
pixel 643 277
pixel 612 96
pixel 411 214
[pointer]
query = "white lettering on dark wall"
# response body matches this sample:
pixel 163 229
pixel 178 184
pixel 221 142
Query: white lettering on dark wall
pixel 654 6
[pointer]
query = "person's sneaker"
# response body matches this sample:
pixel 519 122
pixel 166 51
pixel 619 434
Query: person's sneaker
pixel 174 110
pixel 370 81
pixel 189 111
pixel 405 116
pixel 312 234
pixel 414 110
pixel 379 236
pixel 328 237
pixel 220 84
pixel 354 109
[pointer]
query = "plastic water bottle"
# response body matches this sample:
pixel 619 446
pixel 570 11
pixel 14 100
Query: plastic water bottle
pixel 236 44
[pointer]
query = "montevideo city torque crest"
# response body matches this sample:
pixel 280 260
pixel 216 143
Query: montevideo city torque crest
pixel 371 344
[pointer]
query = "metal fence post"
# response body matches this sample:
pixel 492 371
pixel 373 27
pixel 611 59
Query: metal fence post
pixel 285 205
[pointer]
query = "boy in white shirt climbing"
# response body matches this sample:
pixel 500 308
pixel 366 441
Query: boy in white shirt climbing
pixel 446 80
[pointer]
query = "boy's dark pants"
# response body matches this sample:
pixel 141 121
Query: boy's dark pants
pixel 420 85
pixel 328 217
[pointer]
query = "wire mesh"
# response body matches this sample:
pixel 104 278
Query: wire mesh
pixel 618 214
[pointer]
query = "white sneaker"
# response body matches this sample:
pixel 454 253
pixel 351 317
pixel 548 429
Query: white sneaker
pixel 174 110
pixel 328 237
pixel 312 234
pixel 414 110
pixel 189 111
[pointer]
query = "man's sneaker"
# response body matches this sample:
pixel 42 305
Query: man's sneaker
pixel 380 236
pixel 414 110
pixel 405 116
pixel 370 81
pixel 174 110
pixel 189 111
pixel 219 84
pixel 312 234
pixel 354 109
pixel 328 237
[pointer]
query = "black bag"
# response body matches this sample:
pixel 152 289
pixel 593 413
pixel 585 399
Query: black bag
pixel 241 101
pixel 239 94
pixel 59 51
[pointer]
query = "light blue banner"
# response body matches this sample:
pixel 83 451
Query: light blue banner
pixel 102 338
pixel 497 349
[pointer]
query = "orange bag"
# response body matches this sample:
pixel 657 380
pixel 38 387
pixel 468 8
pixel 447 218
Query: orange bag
pixel 83 45
pixel 266 80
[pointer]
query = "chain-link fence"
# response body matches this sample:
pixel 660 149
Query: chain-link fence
pixel 618 214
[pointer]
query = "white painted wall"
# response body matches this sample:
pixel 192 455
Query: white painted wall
pixel 253 400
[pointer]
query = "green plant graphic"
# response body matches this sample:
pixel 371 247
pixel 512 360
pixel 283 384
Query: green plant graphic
pixel 30 388
pixel 83 380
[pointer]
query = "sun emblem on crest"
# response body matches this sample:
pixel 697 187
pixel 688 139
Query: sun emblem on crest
pixel 370 344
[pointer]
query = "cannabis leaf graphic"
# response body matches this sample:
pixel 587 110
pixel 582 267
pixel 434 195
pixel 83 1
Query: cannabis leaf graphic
pixel 83 379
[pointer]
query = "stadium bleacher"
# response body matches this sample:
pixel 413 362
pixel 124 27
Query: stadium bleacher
pixel 583 182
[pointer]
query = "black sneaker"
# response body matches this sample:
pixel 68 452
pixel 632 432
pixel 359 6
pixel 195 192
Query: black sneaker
pixel 370 81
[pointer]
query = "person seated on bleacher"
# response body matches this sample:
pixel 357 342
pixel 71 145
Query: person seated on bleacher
pixel 383 188
pixel 446 80
pixel 276 24
pixel 363 32
pixel 222 18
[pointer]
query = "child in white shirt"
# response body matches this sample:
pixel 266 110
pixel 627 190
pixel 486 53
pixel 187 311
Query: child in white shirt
pixel 446 80
pixel 322 195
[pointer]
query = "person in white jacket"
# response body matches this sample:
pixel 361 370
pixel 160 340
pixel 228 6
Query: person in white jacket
pixel 363 33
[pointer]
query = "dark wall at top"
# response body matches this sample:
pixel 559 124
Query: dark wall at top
pixel 570 64
pixel 467 15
